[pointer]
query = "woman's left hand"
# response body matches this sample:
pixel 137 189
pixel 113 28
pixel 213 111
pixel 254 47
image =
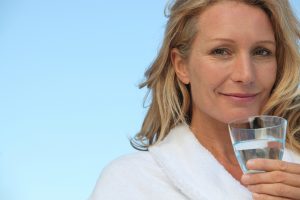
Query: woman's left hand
pixel 281 180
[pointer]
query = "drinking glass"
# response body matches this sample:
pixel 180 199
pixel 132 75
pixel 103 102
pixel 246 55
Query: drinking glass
pixel 258 137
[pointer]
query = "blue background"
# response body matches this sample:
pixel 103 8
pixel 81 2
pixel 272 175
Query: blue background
pixel 69 71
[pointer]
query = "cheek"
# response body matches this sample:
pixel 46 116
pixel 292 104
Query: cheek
pixel 204 83
pixel 206 78
pixel 208 73
pixel 268 77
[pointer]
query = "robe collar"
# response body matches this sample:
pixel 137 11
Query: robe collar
pixel 194 170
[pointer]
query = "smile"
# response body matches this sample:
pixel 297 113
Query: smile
pixel 240 97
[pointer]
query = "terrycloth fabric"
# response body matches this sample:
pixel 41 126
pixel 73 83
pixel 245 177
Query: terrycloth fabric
pixel 178 168
pixel 194 170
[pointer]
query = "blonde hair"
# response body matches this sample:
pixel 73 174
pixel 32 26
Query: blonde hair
pixel 171 103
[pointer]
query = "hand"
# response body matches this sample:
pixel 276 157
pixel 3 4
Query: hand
pixel 281 180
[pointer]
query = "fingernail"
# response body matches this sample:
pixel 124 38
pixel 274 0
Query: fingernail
pixel 250 162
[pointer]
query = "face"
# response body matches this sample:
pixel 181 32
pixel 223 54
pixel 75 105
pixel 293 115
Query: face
pixel 232 66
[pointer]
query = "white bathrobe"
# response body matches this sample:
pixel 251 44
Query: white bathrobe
pixel 178 168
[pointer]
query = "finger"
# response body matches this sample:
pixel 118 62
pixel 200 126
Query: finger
pixel 271 177
pixel 273 165
pixel 256 196
pixel 277 189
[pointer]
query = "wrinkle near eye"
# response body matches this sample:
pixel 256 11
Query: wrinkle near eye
pixel 221 53
pixel 262 52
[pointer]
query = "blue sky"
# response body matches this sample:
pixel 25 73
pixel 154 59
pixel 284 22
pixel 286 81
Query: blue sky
pixel 69 100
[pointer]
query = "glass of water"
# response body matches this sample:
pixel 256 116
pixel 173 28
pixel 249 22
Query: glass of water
pixel 258 137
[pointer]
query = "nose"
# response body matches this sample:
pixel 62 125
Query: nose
pixel 243 70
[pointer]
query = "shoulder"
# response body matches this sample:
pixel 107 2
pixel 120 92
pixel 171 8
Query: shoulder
pixel 137 161
pixel 128 175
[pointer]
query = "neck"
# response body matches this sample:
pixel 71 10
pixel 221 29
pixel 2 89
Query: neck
pixel 214 136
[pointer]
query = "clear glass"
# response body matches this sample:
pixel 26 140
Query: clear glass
pixel 258 137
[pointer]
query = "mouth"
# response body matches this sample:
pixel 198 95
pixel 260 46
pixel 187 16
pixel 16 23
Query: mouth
pixel 240 97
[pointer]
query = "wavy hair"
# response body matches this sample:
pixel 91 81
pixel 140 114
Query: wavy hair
pixel 170 98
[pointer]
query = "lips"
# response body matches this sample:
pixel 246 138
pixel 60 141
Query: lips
pixel 240 97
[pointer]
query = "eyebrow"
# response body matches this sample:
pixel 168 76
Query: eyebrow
pixel 232 41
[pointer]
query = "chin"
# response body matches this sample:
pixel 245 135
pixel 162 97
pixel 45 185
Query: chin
pixel 238 115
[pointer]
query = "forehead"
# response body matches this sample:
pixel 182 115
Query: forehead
pixel 233 17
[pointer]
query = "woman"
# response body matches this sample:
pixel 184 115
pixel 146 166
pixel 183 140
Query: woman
pixel 220 60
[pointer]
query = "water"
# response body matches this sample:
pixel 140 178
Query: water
pixel 270 148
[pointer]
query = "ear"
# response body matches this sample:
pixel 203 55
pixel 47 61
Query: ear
pixel 180 66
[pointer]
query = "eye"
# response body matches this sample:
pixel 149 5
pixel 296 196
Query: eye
pixel 221 52
pixel 262 52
